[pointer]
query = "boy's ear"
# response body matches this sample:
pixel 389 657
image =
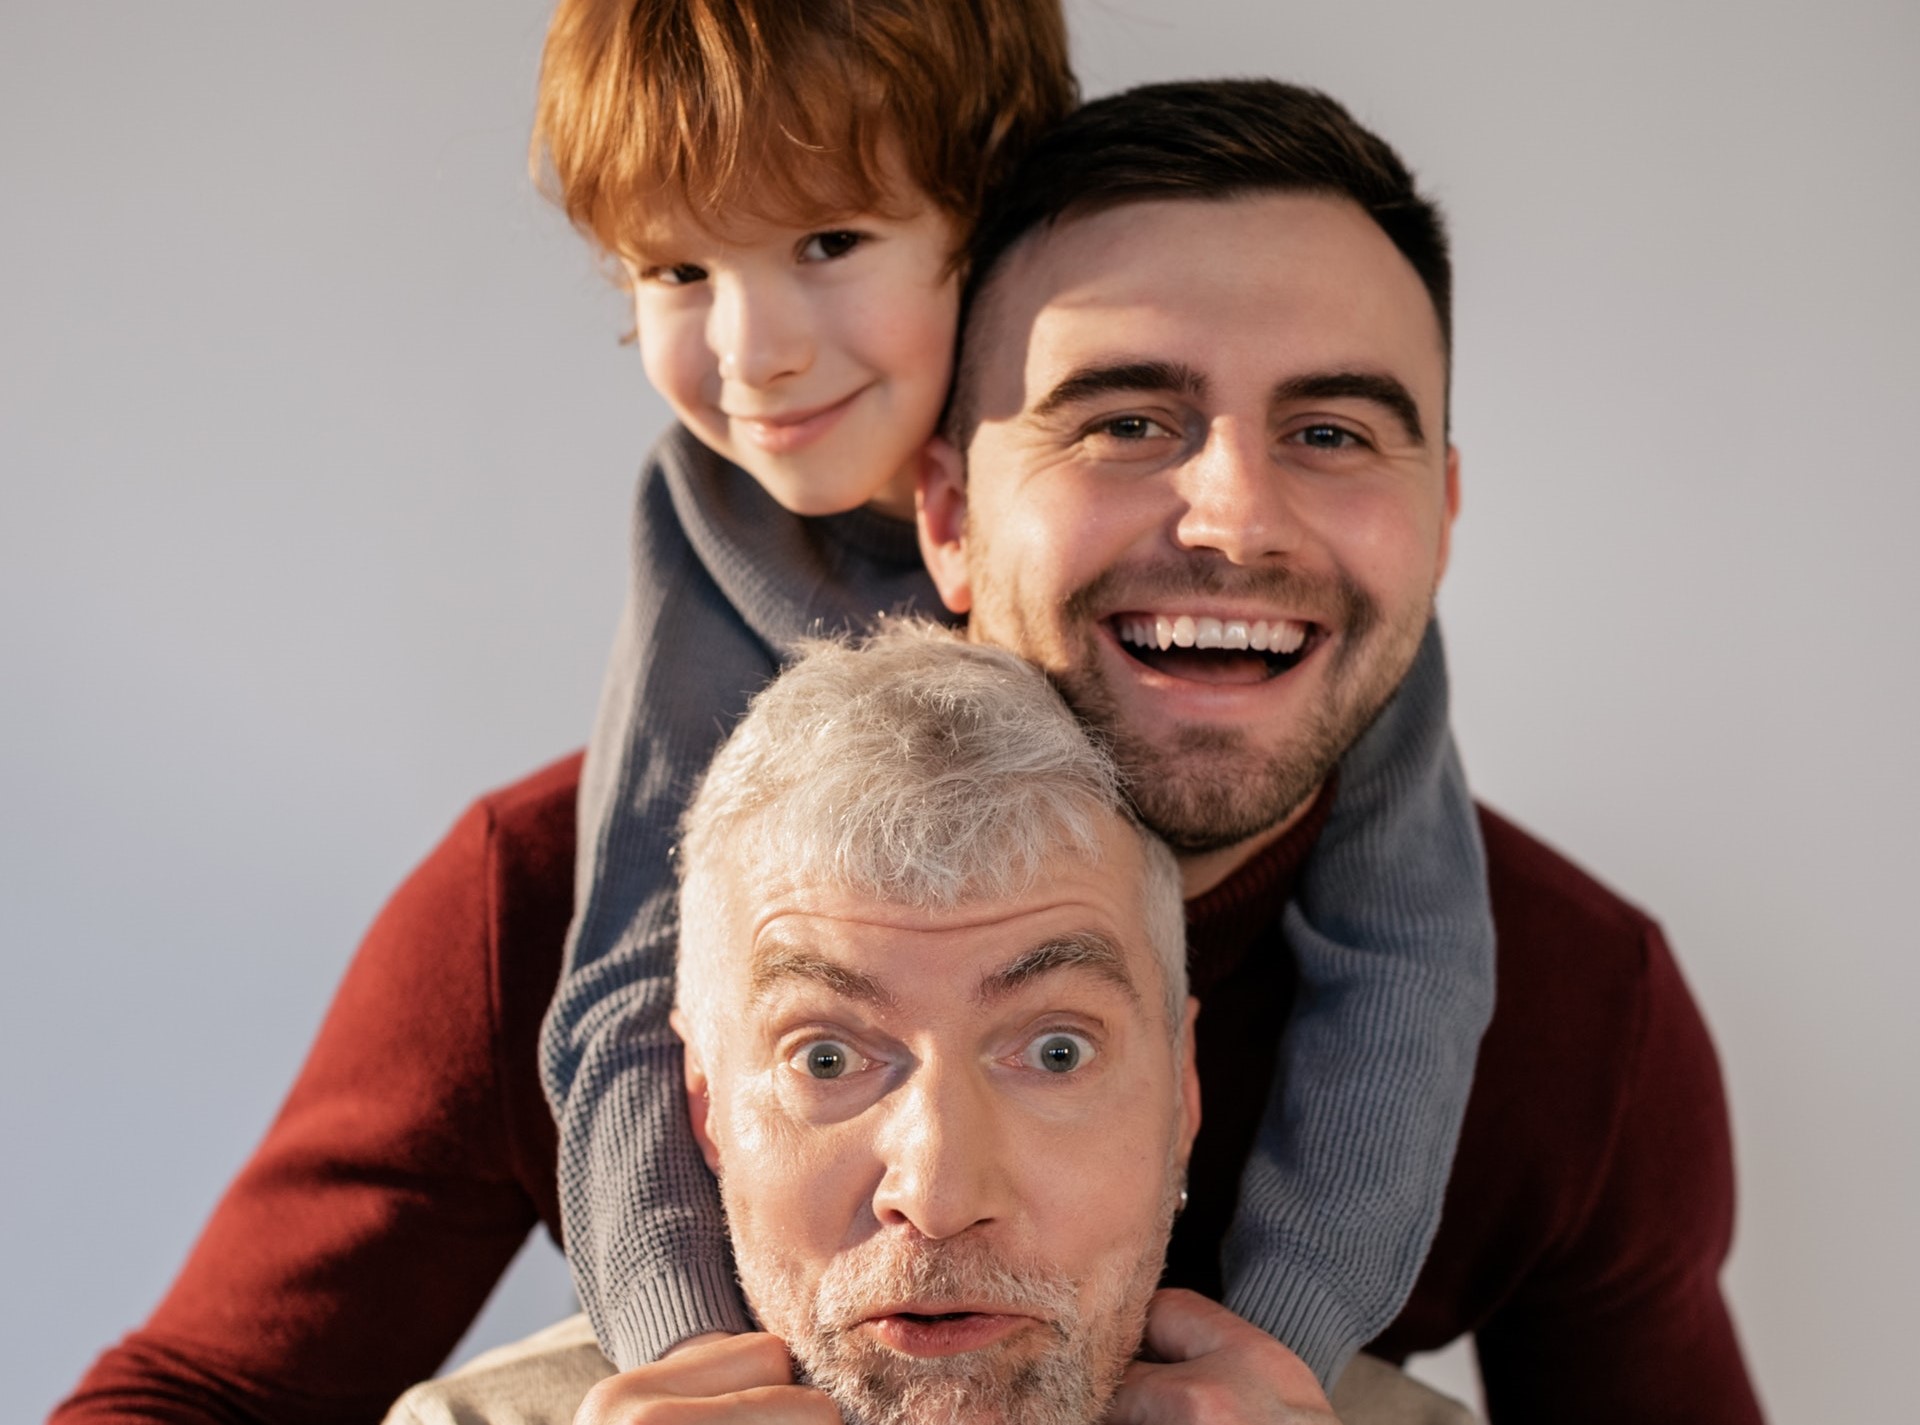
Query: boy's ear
pixel 699 1096
pixel 940 505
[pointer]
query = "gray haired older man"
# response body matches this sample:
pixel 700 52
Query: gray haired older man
pixel 933 991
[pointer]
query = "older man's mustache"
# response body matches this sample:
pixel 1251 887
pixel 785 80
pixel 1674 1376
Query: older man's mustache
pixel 892 1274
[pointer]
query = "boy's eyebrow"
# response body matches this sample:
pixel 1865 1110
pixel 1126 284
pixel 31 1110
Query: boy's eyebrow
pixel 1081 950
pixel 776 960
pixel 1085 382
pixel 1375 386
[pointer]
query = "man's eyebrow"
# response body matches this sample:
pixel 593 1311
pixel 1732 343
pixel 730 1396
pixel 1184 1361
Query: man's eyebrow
pixel 1084 950
pixel 777 960
pixel 1086 382
pixel 1374 386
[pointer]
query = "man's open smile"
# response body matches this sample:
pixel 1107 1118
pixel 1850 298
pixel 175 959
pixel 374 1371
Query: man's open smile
pixel 1203 648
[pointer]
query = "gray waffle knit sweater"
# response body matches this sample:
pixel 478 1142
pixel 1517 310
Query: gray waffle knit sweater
pixel 1391 931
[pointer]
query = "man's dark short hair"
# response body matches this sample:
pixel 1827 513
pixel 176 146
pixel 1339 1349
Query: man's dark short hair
pixel 1203 139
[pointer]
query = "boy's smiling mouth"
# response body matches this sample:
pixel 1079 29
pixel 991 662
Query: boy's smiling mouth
pixel 1201 648
pixel 789 431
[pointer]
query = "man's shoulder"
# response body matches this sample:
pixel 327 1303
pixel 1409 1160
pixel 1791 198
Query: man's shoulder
pixel 495 893
pixel 534 813
pixel 1547 907
pixel 1591 1016
pixel 1595 1059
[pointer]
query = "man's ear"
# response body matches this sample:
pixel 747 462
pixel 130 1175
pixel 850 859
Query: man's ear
pixel 1449 514
pixel 940 502
pixel 699 1095
pixel 1189 1081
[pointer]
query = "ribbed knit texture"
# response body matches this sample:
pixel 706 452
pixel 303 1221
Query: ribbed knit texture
pixel 1391 928
pixel 724 582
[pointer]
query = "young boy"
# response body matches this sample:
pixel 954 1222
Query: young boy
pixel 789 188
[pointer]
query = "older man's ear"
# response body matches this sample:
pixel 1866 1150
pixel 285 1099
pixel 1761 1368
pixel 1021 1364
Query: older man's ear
pixel 1189 1081
pixel 940 503
pixel 699 1099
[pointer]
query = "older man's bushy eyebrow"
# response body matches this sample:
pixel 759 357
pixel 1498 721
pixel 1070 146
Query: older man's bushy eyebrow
pixel 776 961
pixel 1088 382
pixel 1374 386
pixel 1083 950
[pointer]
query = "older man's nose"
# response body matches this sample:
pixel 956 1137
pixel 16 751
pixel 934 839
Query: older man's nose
pixel 943 1169
pixel 1236 498
pixel 759 330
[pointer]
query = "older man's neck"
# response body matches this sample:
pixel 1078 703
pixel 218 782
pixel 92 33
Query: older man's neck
pixel 1201 871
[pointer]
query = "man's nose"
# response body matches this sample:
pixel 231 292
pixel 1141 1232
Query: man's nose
pixel 944 1168
pixel 1236 498
pixel 759 329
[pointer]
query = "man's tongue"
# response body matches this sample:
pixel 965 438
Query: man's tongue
pixel 1207 665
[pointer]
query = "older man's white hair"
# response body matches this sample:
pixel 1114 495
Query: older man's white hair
pixel 917 769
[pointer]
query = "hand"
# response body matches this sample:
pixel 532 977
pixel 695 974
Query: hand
pixel 1213 1368
pixel 710 1380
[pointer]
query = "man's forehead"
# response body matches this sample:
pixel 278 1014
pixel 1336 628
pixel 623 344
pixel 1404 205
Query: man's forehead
pixel 1304 273
pixel 807 951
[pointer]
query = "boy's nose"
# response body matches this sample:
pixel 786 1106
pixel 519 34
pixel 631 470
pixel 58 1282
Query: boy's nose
pixel 759 332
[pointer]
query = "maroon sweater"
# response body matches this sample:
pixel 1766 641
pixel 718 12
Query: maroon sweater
pixel 1589 1212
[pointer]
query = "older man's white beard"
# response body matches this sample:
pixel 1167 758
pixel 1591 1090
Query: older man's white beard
pixel 1062 1372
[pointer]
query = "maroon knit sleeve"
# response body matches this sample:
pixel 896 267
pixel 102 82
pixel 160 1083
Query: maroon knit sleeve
pixel 354 1248
pixel 1624 1320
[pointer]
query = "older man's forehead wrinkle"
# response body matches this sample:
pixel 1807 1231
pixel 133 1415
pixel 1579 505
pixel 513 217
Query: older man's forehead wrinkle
pixel 776 961
pixel 1084 383
pixel 1375 386
pixel 1082 950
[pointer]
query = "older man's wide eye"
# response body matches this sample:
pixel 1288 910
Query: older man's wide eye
pixel 825 1059
pixel 1060 1053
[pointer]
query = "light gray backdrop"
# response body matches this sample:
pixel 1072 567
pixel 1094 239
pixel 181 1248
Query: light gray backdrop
pixel 316 443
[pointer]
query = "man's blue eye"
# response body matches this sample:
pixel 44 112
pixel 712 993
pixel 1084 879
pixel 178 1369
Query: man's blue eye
pixel 1061 1053
pixel 827 1060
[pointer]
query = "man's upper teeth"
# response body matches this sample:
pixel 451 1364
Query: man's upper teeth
pixel 1186 631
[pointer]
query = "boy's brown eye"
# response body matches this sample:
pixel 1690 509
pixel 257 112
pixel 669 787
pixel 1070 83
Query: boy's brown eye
pixel 824 247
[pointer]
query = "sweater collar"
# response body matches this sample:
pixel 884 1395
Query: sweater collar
pixel 790 576
pixel 1227 922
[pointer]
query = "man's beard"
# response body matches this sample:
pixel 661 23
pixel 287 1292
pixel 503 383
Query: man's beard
pixel 1202 788
pixel 1061 1371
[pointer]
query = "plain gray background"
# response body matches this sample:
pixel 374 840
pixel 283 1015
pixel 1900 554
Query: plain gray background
pixel 316 442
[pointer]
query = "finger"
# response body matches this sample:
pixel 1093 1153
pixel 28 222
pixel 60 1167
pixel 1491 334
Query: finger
pixel 1140 1400
pixel 762 1405
pixel 727 1365
pixel 706 1338
pixel 716 1368
pixel 1184 1324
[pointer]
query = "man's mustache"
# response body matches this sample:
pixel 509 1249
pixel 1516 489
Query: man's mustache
pixel 890 1272
pixel 1334 600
